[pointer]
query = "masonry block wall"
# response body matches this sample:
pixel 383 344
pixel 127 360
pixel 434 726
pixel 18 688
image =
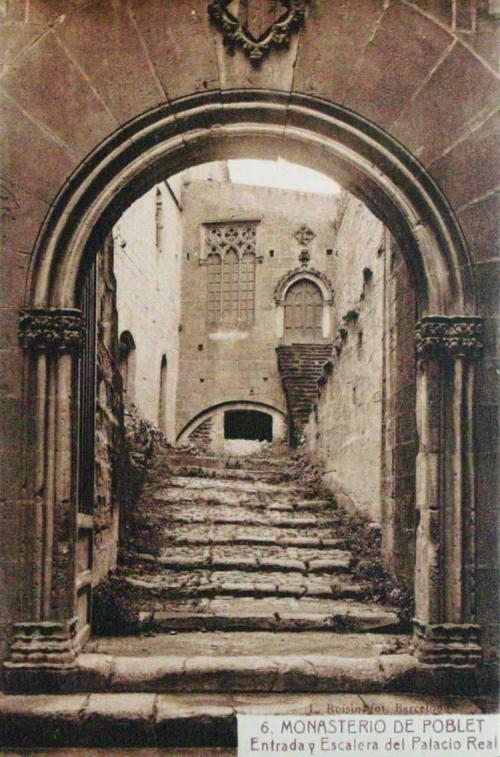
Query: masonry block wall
pixel 109 425
pixel 220 364
pixel 363 428
pixel 301 368
pixel 147 267
pixel 148 243
pixel 344 434
pixel 399 433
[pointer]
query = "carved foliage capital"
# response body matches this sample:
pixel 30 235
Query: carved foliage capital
pixel 61 329
pixel 456 336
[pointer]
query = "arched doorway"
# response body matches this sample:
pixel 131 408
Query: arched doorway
pixel 399 191
pixel 248 424
pixel 303 312
pixel 127 364
pixel 163 398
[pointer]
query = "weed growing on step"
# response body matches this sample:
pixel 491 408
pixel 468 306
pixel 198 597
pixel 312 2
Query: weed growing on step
pixel 115 610
pixel 363 539
pixel 308 475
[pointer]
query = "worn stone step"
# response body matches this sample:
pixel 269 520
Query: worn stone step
pixel 233 485
pixel 182 557
pixel 223 515
pixel 262 673
pixel 267 553
pixel 269 614
pixel 237 644
pixel 165 725
pixel 245 518
pixel 207 534
pixel 170 500
pixel 201 583
pixel 225 482
pixel 254 537
pixel 262 505
pixel 209 496
pixel 233 474
pixel 253 463
pixel 331 561
pixel 219 511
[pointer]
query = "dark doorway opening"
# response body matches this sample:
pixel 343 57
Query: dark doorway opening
pixel 248 424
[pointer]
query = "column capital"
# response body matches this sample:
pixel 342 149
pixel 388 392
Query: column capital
pixel 51 329
pixel 438 336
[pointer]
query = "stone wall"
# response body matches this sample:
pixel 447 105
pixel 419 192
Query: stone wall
pixel 147 261
pixel 399 433
pixel 362 431
pixel 109 428
pixel 220 364
pixel 148 241
pixel 344 434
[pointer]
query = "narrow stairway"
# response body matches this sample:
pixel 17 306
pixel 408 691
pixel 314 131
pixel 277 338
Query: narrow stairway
pixel 243 549
pixel 301 366
pixel 237 594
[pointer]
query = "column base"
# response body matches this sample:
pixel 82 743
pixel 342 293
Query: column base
pixel 449 656
pixel 448 645
pixel 42 657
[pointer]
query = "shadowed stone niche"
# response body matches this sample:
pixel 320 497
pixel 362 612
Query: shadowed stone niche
pixel 446 634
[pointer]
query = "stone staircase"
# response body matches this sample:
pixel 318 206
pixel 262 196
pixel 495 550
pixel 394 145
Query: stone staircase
pixel 243 599
pixel 243 549
pixel 301 366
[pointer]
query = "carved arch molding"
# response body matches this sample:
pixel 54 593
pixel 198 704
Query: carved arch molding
pixel 311 274
pixel 446 627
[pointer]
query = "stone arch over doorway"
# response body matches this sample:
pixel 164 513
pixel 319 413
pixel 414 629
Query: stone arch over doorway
pixel 400 192
pixel 208 425
pixel 363 158
pixel 315 279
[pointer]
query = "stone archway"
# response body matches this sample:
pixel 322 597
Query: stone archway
pixel 376 168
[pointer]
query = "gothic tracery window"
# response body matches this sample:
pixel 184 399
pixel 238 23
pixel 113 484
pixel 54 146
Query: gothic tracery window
pixel 231 259
pixel 303 311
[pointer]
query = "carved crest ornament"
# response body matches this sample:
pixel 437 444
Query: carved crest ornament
pixel 304 236
pixel 235 21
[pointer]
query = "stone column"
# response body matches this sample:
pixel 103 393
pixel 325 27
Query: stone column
pixel 46 644
pixel 445 629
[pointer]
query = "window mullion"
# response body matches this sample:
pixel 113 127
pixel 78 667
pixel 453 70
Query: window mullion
pixel 238 286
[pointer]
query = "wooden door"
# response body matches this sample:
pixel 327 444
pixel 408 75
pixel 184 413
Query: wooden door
pixel 303 312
